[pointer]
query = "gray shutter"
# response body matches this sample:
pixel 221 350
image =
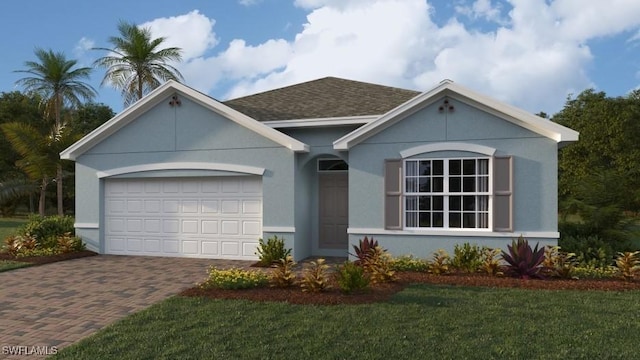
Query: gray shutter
pixel 393 194
pixel 503 193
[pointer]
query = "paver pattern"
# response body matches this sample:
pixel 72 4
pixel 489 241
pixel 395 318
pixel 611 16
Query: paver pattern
pixel 55 305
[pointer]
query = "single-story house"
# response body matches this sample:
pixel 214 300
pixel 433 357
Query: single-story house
pixel 321 164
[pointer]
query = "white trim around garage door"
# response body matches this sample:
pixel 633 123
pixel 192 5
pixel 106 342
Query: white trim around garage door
pixel 243 169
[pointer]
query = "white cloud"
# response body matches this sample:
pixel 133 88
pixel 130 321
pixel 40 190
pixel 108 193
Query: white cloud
pixel 533 55
pixel 83 45
pixel 193 32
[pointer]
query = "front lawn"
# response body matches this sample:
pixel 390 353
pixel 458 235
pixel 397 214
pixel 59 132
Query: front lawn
pixel 421 322
pixel 8 226
pixel 6 265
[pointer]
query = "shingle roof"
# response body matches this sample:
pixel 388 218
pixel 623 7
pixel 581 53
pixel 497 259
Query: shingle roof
pixel 322 98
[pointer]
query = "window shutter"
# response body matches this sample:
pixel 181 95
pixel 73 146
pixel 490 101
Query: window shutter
pixel 503 193
pixel 393 194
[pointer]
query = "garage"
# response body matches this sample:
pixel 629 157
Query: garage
pixel 204 217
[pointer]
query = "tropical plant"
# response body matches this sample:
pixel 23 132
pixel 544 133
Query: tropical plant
pixel 59 83
pixel 271 251
pixel 558 263
pixel 490 263
pixel 315 277
pixel 363 249
pixel 47 230
pixel 283 274
pixel 351 277
pixel 378 265
pixel 628 264
pixel 439 262
pixel 136 64
pixel 523 261
pixel 467 257
pixel 67 243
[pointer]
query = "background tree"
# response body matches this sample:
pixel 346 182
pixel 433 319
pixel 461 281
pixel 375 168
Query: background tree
pixel 56 80
pixel 136 64
pixel 599 176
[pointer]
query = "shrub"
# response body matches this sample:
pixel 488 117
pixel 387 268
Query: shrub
pixel 490 263
pixel 38 252
pixel 522 261
pixel 315 276
pixel 271 251
pixel 628 264
pixel 408 263
pixel 364 249
pixel 47 229
pixel 68 243
pixel 440 262
pixel 234 278
pixel 592 272
pixel 18 244
pixel 378 265
pixel 558 263
pixel 467 257
pixel 351 277
pixel 589 250
pixel 283 274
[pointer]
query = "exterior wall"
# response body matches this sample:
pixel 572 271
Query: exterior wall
pixel 188 133
pixel 535 177
pixel 320 141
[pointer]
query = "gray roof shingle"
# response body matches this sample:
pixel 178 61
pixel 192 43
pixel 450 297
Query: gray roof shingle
pixel 322 98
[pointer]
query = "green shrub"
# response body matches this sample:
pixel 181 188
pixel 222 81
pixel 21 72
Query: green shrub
pixel 558 263
pixel 409 263
pixel 37 252
pixel 467 257
pixel 589 250
pixel 439 262
pixel 523 261
pixel 283 274
pixel 46 230
pixel 271 251
pixel 628 264
pixel 351 277
pixel 234 278
pixel 315 276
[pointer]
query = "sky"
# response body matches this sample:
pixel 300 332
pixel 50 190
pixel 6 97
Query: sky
pixel 529 53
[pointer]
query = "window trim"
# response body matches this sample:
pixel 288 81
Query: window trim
pixel 445 193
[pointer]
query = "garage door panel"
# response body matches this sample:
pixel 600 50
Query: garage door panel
pixel 194 217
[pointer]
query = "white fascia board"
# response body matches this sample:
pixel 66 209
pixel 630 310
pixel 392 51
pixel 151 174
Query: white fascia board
pixel 510 113
pixel 157 95
pixel 321 122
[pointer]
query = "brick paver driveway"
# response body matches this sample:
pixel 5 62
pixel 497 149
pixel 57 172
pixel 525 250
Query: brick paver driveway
pixel 58 304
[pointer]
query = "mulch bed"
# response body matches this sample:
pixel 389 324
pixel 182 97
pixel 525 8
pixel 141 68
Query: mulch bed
pixel 383 292
pixel 39 260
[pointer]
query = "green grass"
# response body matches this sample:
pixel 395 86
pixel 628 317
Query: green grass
pixel 8 226
pixel 421 322
pixel 6 265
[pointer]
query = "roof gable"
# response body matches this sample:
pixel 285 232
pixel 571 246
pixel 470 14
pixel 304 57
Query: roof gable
pixel 328 97
pixel 160 94
pixel 517 116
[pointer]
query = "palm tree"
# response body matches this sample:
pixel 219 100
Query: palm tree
pixel 59 84
pixel 136 65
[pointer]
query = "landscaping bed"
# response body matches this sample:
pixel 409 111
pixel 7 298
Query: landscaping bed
pixel 384 291
pixel 46 259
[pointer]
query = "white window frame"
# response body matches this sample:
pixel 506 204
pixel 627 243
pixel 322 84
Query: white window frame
pixel 446 193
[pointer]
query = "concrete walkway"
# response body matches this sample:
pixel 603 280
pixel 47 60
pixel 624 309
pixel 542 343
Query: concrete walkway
pixel 57 304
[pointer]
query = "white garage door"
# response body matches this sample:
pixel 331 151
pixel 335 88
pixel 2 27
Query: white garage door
pixel 218 218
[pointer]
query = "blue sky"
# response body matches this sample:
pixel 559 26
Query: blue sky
pixel 530 53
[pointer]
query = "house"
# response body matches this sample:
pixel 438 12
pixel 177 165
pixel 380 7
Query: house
pixel 321 164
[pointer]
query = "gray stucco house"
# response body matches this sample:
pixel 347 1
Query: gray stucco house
pixel 322 164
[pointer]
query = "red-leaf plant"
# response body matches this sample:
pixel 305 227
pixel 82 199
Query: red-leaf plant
pixel 523 261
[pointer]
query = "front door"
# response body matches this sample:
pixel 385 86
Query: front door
pixel 334 209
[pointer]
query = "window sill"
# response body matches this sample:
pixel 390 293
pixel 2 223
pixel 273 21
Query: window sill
pixel 454 233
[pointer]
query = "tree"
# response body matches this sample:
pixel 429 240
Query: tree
pixel 89 116
pixel 599 176
pixel 60 84
pixel 136 64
